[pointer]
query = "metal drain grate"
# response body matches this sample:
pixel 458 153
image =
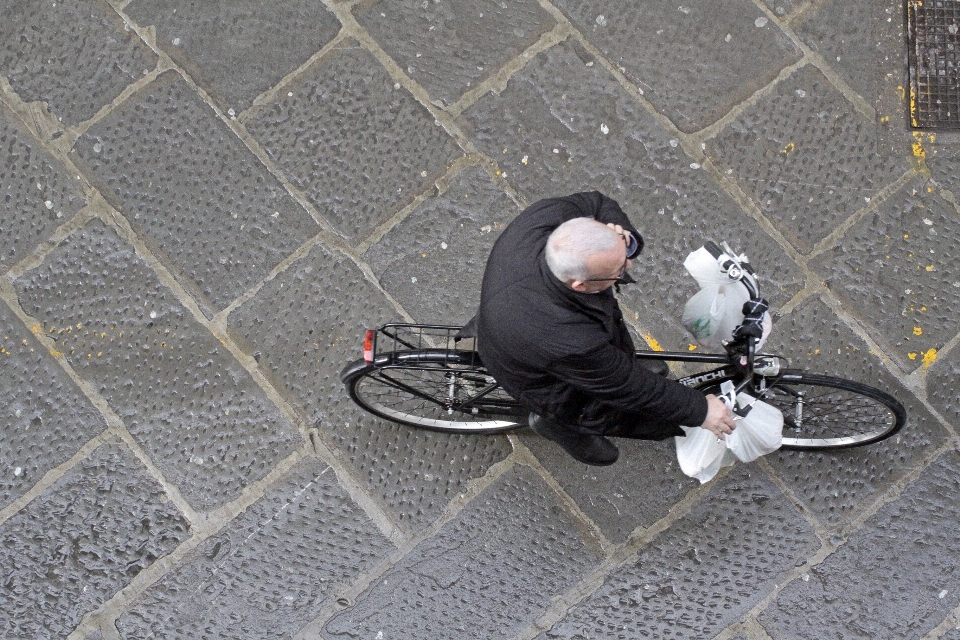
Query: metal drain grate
pixel 934 59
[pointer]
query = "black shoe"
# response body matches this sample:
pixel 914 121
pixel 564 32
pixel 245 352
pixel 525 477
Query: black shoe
pixel 588 449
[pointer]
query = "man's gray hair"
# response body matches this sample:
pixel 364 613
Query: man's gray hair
pixel 571 244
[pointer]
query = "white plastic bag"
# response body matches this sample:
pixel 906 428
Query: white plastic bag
pixel 713 313
pixel 701 454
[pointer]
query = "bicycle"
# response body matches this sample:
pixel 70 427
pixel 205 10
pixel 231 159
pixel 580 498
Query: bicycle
pixel 431 376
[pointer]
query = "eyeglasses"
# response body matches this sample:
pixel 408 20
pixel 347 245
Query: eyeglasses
pixel 623 269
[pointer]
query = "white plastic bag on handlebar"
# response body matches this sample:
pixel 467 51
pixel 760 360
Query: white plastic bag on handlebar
pixel 701 454
pixel 714 312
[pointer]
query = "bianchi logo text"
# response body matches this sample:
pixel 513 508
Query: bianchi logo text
pixel 696 381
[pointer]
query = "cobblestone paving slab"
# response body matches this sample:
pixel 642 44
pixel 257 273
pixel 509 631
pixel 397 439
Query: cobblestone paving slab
pixel 943 161
pixel 303 327
pixel 237 50
pixel 195 193
pixel 693 61
pixel 449 46
pixel 81 541
pixel 344 130
pixel 434 259
pixel 75 80
pixel 806 157
pixel 837 486
pixel 610 495
pixel 783 8
pixel 896 269
pixel 206 425
pixel 942 387
pixel 488 573
pixel 38 193
pixel 896 577
pixel 702 574
pixel 270 571
pixel 547 132
pixel 45 417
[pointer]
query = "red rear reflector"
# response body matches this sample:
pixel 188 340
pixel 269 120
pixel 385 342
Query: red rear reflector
pixel 368 346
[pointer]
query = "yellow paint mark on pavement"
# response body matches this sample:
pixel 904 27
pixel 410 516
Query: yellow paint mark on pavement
pixel 653 342
pixel 912 355
pixel 787 150
pixel 929 358
pixel 917 331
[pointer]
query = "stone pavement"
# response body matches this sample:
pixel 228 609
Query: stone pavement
pixel 206 202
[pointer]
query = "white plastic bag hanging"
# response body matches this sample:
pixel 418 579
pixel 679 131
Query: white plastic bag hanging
pixel 701 454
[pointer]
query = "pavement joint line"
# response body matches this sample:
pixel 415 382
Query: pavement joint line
pixel 37 118
pixel 373 505
pixel 860 328
pixel 349 593
pixel 733 188
pixel 114 423
pixel 76 132
pixel 165 62
pixel 712 130
pixel 950 623
pixel 799 298
pixel 497 82
pixel 273 93
pixel 861 105
pixel 108 435
pixel 754 630
pixel 440 115
pixel 617 556
pixel 48 245
pixel 590 534
pixel 880 196
pixel 440 186
pixel 822 532
pixel 805 10
pixel 206 526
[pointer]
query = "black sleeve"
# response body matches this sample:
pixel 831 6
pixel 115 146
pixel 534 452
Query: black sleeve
pixel 616 378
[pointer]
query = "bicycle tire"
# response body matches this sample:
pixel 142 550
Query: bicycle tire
pixel 412 388
pixel 835 413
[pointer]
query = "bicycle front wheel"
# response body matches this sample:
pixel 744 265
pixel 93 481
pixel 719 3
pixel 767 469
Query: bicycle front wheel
pixel 823 412
pixel 434 393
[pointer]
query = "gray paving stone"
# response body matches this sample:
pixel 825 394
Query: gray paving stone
pixel 193 191
pixel 952 634
pixel 237 50
pixel 81 541
pixel 557 103
pixel 847 33
pixel 303 327
pixel 942 386
pixel 805 156
pixel 693 62
pixel 488 573
pixel 270 571
pixel 837 486
pixel 45 417
pixel 635 492
pixel 433 261
pixel 943 160
pixel 38 193
pixel 205 424
pixel 344 131
pixel 897 268
pixel 704 572
pixel 894 578
pixel 75 80
pixel 450 46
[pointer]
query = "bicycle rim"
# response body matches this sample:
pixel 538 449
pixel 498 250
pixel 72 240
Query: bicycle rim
pixel 823 412
pixel 441 398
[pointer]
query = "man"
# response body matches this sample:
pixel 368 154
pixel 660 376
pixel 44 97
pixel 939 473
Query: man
pixel 550 331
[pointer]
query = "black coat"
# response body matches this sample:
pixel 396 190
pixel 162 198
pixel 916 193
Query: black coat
pixel 568 355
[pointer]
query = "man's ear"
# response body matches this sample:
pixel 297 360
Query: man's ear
pixel 576 285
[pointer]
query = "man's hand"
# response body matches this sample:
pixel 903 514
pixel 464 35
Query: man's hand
pixel 719 418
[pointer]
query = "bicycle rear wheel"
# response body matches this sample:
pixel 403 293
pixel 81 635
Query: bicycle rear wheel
pixel 431 390
pixel 823 412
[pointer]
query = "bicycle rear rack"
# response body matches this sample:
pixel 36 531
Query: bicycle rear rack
pixel 424 346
